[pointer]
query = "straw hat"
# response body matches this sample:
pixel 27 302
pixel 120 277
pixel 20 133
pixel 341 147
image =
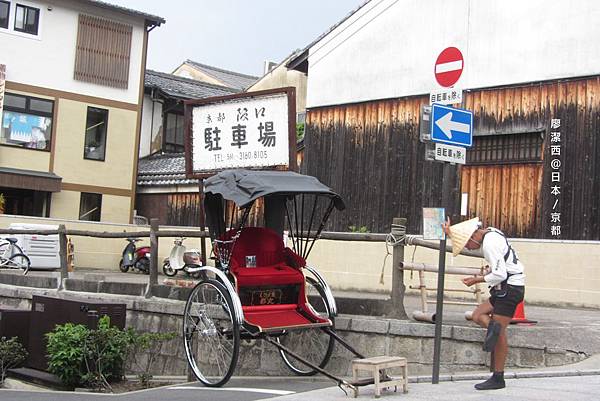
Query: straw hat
pixel 461 232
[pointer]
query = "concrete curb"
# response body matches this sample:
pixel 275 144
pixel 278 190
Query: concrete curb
pixel 507 375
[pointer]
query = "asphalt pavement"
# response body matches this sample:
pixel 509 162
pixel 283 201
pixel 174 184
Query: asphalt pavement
pixel 555 388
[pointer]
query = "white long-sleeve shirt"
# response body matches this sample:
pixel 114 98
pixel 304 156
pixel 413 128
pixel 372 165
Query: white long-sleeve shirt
pixel 494 248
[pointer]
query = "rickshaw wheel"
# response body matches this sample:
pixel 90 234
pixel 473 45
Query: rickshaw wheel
pixel 211 333
pixel 314 345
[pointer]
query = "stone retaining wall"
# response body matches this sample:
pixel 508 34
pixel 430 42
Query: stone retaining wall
pixel 461 346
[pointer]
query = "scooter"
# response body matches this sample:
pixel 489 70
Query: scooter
pixel 134 257
pixel 189 261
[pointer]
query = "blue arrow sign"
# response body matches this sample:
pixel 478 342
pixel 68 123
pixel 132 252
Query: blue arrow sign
pixel 451 125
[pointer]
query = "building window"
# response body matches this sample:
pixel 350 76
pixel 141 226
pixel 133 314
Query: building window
pixel 4 14
pixel 27 122
pixel 90 206
pixel 27 19
pixel 505 149
pixel 95 134
pixel 174 133
pixel 103 51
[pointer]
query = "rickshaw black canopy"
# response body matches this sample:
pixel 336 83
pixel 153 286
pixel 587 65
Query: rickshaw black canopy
pixel 245 186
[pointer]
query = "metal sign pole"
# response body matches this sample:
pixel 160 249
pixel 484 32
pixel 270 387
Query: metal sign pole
pixel 439 309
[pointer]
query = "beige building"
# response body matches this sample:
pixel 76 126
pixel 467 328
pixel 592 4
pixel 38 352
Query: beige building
pixel 279 76
pixel 72 108
pixel 213 75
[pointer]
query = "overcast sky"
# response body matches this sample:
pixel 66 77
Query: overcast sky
pixel 237 35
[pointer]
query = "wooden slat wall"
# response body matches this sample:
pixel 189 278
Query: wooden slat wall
pixel 103 52
pixel 183 209
pixel 505 196
pixel 370 153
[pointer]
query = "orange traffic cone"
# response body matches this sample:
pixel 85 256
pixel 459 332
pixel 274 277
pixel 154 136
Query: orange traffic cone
pixel 519 316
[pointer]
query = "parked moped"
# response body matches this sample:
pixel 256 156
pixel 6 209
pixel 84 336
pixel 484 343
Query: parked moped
pixel 134 257
pixel 189 261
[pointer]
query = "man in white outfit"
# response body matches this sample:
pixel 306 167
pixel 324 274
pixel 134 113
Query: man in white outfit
pixel 504 275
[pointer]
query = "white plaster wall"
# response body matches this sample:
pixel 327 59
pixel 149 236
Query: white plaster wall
pixel 151 123
pixel 48 60
pixel 388 48
pixel 557 272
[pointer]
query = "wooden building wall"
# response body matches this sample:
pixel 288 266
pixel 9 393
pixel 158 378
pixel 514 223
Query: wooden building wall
pixel 175 209
pixel 371 155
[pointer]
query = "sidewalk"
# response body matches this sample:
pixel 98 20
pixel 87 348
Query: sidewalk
pixel 576 388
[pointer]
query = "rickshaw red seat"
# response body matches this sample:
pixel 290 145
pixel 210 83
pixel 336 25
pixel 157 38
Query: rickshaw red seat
pixel 272 259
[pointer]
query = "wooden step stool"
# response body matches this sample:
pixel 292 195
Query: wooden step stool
pixel 377 366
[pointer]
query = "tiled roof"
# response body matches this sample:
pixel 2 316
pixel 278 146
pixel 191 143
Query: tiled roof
pixel 181 87
pixel 163 170
pixel 229 78
pixel 156 20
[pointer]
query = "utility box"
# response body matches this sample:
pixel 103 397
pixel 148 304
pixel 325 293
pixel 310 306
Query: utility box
pixel 43 250
pixel 15 323
pixel 47 312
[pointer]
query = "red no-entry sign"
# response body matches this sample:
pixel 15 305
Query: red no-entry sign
pixel 449 66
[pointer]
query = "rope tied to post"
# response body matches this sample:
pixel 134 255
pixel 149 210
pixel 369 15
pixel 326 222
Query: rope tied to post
pixel 396 236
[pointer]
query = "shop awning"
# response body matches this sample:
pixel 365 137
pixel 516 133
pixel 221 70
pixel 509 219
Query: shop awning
pixel 29 179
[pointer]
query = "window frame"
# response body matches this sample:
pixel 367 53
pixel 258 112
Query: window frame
pixel 106 115
pixel 174 146
pixel 97 197
pixel 507 148
pixel 7 14
pixel 28 111
pixel 27 9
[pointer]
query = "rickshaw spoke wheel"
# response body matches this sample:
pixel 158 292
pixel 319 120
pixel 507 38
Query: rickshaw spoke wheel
pixel 314 345
pixel 211 334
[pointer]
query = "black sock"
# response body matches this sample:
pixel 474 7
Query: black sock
pixel 498 376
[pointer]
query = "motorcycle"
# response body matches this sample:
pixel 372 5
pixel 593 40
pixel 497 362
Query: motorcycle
pixel 134 257
pixel 189 261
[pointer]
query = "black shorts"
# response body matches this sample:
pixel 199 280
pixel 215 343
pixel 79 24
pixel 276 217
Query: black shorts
pixel 506 305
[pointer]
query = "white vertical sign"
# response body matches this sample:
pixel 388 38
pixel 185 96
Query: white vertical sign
pixel 2 85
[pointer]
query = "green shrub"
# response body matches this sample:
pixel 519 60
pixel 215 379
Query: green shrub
pixel 356 229
pixel 105 353
pixel 12 354
pixel 150 344
pixel 95 358
pixel 66 352
pixel 92 358
pixel 299 132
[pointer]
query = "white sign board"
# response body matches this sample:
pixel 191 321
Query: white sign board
pixel 240 133
pixel 446 96
pixel 449 153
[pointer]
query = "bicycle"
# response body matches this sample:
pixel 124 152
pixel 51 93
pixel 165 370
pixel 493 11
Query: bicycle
pixel 12 256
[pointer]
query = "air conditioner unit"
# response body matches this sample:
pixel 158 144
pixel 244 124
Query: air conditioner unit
pixel 43 250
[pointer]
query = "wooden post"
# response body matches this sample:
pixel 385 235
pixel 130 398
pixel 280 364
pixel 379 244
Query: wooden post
pixel 62 239
pixel 153 276
pixel 398 288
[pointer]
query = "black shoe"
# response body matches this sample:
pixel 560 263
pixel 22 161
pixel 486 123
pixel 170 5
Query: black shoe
pixel 493 383
pixel 491 337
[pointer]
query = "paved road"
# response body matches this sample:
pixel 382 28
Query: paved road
pixel 238 389
pixel 576 388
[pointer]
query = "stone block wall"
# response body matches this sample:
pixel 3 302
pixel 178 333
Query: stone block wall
pixel 461 346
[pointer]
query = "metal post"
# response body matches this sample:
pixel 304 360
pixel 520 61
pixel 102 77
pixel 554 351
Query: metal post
pixel 202 224
pixel 153 276
pixel 62 239
pixel 439 309
pixel 398 288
